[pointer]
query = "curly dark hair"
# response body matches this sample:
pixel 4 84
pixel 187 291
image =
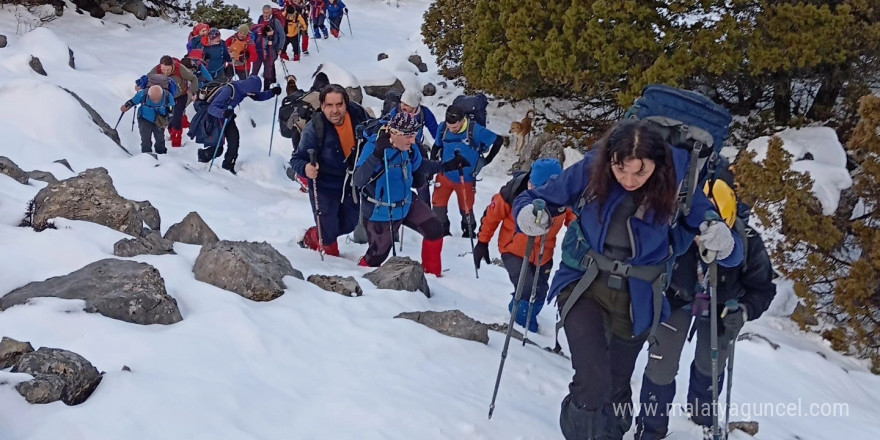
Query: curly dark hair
pixel 634 139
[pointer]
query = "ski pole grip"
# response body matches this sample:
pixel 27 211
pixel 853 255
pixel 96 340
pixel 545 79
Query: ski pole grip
pixel 538 205
pixel 457 153
pixel 313 159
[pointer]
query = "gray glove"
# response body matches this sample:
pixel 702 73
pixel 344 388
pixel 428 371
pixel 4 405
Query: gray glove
pixel 532 221
pixel 715 236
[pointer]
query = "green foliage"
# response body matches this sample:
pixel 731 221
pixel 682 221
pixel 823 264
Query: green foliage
pixel 442 28
pixel 219 15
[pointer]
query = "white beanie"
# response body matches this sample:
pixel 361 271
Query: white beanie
pixel 411 98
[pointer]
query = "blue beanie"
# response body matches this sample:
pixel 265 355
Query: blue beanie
pixel 543 170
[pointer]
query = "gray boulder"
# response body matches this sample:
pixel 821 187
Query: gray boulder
pixel 8 167
pixel 11 350
pixel 151 244
pixel 803 315
pixel 415 59
pixel 42 176
pixel 400 273
pixel 252 270
pixel 125 290
pixel 2 41
pixel 149 213
pixel 381 90
pixel 429 90
pixel 91 197
pixel 355 94
pixel 54 368
pixel 382 56
pixel 451 323
pixel 136 7
pixel 64 163
pixel 540 146
pixel 37 66
pixel 99 121
pixel 347 286
pixel 422 67
pixel 192 230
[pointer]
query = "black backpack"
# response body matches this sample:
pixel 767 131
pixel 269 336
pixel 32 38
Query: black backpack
pixel 474 106
pixel 392 99
pixel 294 113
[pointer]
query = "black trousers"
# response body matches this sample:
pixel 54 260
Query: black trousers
pixel 149 131
pixel 176 122
pixel 380 235
pixel 231 136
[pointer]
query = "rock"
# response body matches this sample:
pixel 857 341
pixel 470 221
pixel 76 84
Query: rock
pixel 355 94
pixel 91 196
pixel 451 323
pixel 540 146
pixel 149 213
pixel 65 163
pixel 442 84
pixel 43 388
pixel 11 350
pixel 37 66
pixel 120 289
pixel 252 270
pixel 42 176
pixel 71 60
pixel 2 41
pixel 400 273
pixel 99 121
pixel 78 377
pixel 748 336
pixel 750 427
pixel 116 10
pixel 152 244
pixel 429 90
pixel 347 286
pixel 380 91
pixel 415 59
pixel 136 7
pixel 803 315
pixel 8 167
pixel 422 67
pixel 382 56
pixel 192 230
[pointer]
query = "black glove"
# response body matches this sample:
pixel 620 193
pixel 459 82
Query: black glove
pixel 455 163
pixel 435 152
pixel 276 90
pixel 678 298
pixel 346 10
pixel 733 321
pixel 382 144
pixel 481 252
pixel 228 114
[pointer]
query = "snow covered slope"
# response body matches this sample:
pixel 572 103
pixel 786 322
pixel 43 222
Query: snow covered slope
pixel 311 364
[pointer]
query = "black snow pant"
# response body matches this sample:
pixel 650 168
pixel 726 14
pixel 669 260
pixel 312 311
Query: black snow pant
pixel 513 264
pixel 150 131
pixel 420 218
pixel 339 216
pixel 176 122
pixel 231 136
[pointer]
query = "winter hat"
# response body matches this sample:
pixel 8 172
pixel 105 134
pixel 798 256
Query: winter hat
pixel 454 114
pixel 197 29
pixel 213 34
pixel 543 170
pixel 411 98
pixel 405 123
pixel 244 29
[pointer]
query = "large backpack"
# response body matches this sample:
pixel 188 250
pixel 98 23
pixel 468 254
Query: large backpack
pixel 158 79
pixel 296 111
pixel 392 100
pixel 474 106
pixel 203 129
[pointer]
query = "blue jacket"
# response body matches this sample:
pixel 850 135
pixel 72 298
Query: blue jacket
pixel 149 108
pixel 393 184
pixel 483 140
pixel 425 117
pixel 280 33
pixel 216 56
pixel 250 87
pixel 335 10
pixel 331 159
pixel 652 241
pixel 203 75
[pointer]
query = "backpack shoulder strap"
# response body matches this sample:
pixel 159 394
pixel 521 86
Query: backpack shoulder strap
pixel 743 230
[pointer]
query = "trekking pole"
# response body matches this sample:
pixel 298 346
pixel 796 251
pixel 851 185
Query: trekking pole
pixel 535 279
pixel 530 246
pixel 315 40
pixel 730 306
pixel 284 66
pixel 274 116
pixel 118 120
pixel 400 237
pixel 132 118
pixel 219 141
pixel 390 210
pixel 349 25
pixel 467 211
pixel 313 160
pixel 710 258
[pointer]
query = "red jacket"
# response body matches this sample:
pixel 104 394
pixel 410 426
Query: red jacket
pixel 243 53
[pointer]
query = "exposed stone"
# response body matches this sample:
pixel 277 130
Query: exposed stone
pixel 71 60
pixel 400 273
pixel 149 213
pixel 64 163
pixel 422 67
pixel 540 146
pixel 382 56
pixel 8 167
pixel 415 60
pixel 443 84
pixel 136 7
pixel 120 289
pixel 99 121
pixel 750 428
pixel 78 377
pixel 252 270
pixel 43 388
pixel 803 315
pixel 192 230
pixel 11 350
pixel 151 244
pixel 2 41
pixel 355 94
pixel 37 66
pixel 451 323
pixel 346 286
pixel 381 90
pixel 429 90
pixel 42 176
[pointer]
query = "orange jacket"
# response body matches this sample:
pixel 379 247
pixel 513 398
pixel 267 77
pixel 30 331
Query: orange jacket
pixel 511 242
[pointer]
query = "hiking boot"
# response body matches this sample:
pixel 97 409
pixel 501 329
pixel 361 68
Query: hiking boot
pixel 185 123
pixel 305 52
pixel 229 166
pixel 296 57
pixel 284 56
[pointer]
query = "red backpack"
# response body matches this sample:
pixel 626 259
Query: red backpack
pixel 279 14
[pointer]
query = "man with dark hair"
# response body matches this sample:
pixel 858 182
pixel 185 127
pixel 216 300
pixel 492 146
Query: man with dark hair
pixel 330 133
pixel 187 88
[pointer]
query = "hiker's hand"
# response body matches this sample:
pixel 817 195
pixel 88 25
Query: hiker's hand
pixel 312 171
pixel 346 11
pixel 124 108
pixel 733 321
pixel 716 236
pixel 532 221
pixel 382 144
pixel 276 89
pixel 481 252
pixel 456 163
pixel 228 113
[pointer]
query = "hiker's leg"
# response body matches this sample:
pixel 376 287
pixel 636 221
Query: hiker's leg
pixel 146 131
pixel 232 138
pixel 159 135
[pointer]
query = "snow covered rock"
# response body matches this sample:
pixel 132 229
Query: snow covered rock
pixel 429 89
pixel 415 59
pixel 451 323
pixel 136 7
pixel 11 350
pixel 192 230
pixel 98 120
pixel 91 197
pixel 151 244
pixel 252 270
pixel 400 273
pixel 382 89
pixel 8 167
pixel 58 375
pixel 125 290
pixel 37 66
pixel 382 56
pixel 345 286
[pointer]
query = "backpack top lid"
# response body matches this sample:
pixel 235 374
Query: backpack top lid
pixel 474 106
pixel 673 107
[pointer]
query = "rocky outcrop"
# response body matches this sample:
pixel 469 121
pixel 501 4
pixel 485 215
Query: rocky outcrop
pixel 151 244
pixel 252 270
pixel 379 91
pixel 540 146
pixel 37 66
pixel 346 286
pixel 451 323
pixel 9 168
pixel 192 230
pixel 400 273
pixel 99 121
pixel 58 375
pixel 11 350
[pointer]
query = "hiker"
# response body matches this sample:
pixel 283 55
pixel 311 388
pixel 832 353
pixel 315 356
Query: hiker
pixel 195 62
pixel 457 136
pixel 316 13
pixel 411 102
pixel 215 54
pixel 199 32
pixel 512 244
pixel 331 134
pixel 153 114
pixel 335 10
pixel 614 260
pixel 269 37
pixel 242 50
pixel 296 27
pixel 187 90
pixel 222 107
pixel 749 285
pixel 385 173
